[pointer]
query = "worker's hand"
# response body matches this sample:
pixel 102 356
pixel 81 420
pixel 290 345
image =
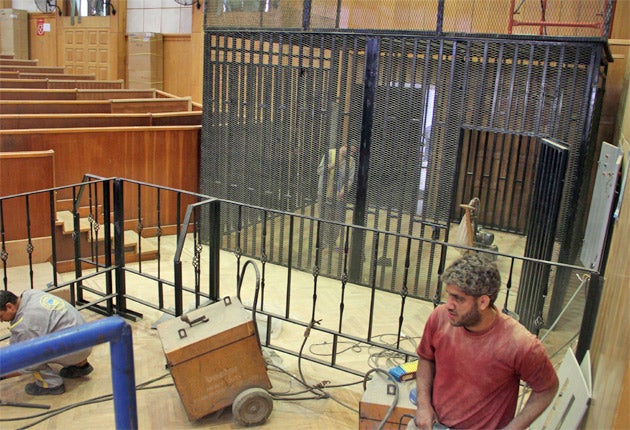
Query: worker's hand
pixel 425 418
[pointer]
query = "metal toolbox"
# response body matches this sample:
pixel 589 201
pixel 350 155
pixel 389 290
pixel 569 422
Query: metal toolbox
pixel 213 354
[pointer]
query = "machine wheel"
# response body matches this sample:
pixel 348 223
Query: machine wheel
pixel 252 406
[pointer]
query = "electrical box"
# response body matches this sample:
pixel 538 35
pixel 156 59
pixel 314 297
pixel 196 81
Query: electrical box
pixel 213 354
pixel 378 397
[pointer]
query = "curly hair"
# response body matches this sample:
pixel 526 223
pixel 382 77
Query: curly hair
pixel 6 297
pixel 475 274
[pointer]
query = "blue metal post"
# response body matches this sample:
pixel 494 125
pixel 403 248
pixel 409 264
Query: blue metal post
pixel 113 329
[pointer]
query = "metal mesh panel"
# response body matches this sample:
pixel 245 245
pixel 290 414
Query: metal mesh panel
pixel 279 106
pixel 558 18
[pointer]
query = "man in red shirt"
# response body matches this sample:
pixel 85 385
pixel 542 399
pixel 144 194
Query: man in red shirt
pixel 472 357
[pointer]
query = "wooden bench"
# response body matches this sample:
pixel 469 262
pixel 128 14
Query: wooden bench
pixel 85 84
pixel 23 83
pixel 179 104
pixel 141 153
pixel 58 76
pixel 177 118
pixel 42 121
pixel 9 75
pixel 17 62
pixel 24 107
pixel 73 94
pixel 32 69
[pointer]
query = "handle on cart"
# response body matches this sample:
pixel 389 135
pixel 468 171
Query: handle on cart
pixel 201 319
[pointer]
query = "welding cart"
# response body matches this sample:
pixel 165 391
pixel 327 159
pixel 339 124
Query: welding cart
pixel 215 359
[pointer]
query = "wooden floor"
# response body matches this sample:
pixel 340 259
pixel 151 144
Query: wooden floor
pixel 158 403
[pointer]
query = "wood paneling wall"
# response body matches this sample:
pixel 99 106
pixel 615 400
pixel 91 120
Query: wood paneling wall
pixel 610 348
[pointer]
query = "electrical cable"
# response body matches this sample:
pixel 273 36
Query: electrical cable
pixel 318 392
pixel 99 399
pixel 396 393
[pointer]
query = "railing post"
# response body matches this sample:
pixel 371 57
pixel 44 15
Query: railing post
pixel 214 246
pixel 123 380
pixel 360 214
pixel 119 246
pixel 107 240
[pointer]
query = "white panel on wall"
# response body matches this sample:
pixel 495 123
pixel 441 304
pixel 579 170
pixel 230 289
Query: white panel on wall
pixel 135 21
pixel 185 20
pixel 152 21
pixel 163 16
pixel 27 5
pixel 135 4
pixel 170 21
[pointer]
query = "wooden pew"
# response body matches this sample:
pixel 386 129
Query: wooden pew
pixel 23 107
pixel 179 104
pixel 23 83
pixel 59 76
pixel 33 69
pixel 9 75
pixel 44 121
pixel 140 153
pixel 73 94
pixel 111 94
pixel 17 62
pixel 86 84
pixel 61 83
pixel 36 94
pixel 176 118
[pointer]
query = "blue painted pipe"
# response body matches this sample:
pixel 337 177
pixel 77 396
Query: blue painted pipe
pixel 112 329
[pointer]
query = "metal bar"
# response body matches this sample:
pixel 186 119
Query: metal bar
pixel 114 330
pixel 29 243
pixel 214 247
pixel 76 231
pixel 586 24
pixel 119 245
pixel 107 244
pixel 139 227
pixel 439 25
pixel 158 234
pixel 306 15
pixel 53 235
pixel 369 92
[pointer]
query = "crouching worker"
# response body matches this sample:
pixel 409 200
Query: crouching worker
pixel 34 314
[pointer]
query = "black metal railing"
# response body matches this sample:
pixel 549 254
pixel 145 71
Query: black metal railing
pixel 335 311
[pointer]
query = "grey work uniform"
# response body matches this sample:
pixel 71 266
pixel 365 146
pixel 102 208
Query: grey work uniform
pixel 39 314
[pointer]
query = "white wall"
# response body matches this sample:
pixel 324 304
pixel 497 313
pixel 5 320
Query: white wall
pixel 144 16
pixel 158 16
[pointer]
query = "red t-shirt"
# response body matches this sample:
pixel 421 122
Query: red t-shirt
pixel 477 375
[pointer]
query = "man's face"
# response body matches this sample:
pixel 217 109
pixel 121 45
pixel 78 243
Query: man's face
pixel 8 313
pixel 463 309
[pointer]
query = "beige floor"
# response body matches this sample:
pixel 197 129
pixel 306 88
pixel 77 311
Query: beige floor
pixel 161 406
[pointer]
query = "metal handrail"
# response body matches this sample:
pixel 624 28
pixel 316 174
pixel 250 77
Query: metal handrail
pixel 113 330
